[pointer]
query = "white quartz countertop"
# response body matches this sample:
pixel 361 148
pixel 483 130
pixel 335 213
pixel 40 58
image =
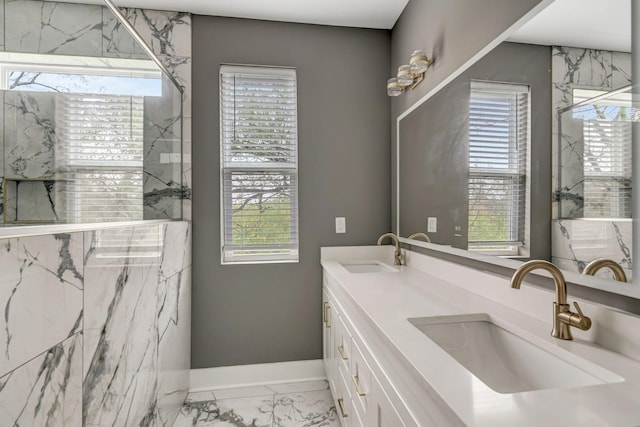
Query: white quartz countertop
pixel 388 299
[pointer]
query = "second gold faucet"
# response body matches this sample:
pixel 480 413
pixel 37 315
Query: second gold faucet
pixel 398 257
pixel 563 318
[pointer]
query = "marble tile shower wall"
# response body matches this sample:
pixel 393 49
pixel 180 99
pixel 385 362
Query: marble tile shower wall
pixel 77 29
pixel 96 327
pixel 576 242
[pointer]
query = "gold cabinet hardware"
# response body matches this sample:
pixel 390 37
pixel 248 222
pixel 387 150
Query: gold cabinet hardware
pixel 341 351
pixel 357 385
pixel 326 315
pixel 340 402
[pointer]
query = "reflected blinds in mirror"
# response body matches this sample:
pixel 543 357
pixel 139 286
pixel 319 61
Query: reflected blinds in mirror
pixel 101 156
pixel 259 164
pixel 498 140
pixel 606 131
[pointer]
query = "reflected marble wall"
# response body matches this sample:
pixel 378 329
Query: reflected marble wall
pixel 77 29
pixel 576 242
pixel 586 69
pixel 169 36
pixel 97 327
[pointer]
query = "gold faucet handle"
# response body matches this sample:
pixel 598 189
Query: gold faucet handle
pixel 578 320
pixel 585 322
pixel 398 258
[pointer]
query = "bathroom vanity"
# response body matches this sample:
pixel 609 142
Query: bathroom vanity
pixel 433 343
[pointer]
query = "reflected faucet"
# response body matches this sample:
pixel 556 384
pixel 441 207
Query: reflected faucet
pixel 563 318
pixel 422 236
pixel 592 268
pixel 398 257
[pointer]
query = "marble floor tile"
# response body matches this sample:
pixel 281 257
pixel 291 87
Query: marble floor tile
pixel 245 411
pixel 314 408
pixel 307 403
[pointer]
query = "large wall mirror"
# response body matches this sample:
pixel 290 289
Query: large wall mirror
pixel 527 153
pixel 91 125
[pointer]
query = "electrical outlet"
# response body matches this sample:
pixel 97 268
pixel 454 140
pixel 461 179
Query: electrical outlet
pixel 341 224
pixel 432 224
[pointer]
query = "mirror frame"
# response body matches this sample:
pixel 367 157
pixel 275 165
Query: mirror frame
pixel 630 289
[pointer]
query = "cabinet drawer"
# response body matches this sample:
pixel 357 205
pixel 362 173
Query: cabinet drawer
pixel 360 381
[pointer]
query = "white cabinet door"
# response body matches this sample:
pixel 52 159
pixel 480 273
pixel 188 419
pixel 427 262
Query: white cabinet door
pixel 343 400
pixel 327 338
pixel 360 381
pixel 381 411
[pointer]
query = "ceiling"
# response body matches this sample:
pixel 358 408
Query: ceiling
pixel 596 24
pixel 381 14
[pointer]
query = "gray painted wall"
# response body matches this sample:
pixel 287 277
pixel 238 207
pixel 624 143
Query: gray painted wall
pixel 270 313
pixel 452 31
pixel 434 147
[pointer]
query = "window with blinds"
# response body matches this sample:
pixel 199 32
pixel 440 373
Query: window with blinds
pixel 100 157
pixel 606 129
pixel 259 164
pixel 498 145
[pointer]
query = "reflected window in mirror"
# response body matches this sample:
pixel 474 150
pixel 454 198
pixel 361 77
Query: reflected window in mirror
pixel 499 140
pixel 606 133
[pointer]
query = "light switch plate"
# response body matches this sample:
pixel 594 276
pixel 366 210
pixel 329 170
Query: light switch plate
pixel 341 224
pixel 432 224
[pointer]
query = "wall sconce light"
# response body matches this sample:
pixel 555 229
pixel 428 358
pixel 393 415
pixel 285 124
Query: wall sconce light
pixel 409 76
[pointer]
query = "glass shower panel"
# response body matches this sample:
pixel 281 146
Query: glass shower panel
pixel 92 127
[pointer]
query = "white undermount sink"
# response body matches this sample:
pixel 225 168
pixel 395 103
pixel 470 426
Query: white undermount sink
pixel 367 266
pixel 506 362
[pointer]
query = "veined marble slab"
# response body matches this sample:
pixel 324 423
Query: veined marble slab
pixel 30 134
pixel 59 30
pixel 121 332
pixel 46 391
pixel 174 361
pixel 577 242
pixel 40 295
pixel 176 251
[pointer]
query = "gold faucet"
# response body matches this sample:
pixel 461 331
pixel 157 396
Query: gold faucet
pixel 563 318
pixel 422 236
pixel 398 257
pixel 592 268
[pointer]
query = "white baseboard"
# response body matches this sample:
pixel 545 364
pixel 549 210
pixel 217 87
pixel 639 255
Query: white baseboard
pixel 251 375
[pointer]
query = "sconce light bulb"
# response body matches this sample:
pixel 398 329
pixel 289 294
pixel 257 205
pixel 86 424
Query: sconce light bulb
pixel 419 62
pixel 405 77
pixel 393 88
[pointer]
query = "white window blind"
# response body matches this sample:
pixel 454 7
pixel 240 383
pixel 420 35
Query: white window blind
pixel 606 128
pixel 100 157
pixel 498 139
pixel 259 164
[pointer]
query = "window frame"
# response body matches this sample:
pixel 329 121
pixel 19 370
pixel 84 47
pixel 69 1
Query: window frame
pixel 279 253
pixel 506 249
